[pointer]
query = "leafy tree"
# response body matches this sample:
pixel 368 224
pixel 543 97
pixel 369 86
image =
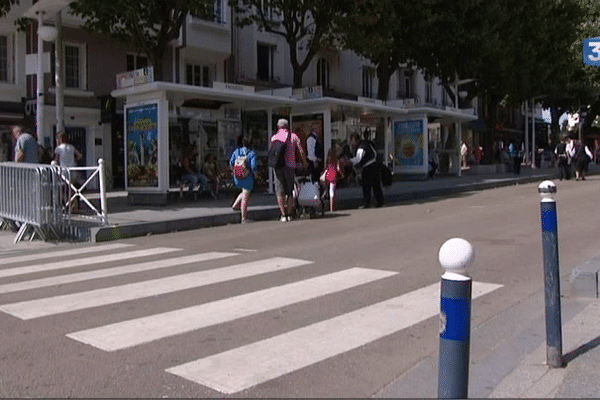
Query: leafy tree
pixel 513 50
pixel 585 86
pixel 5 6
pixel 146 25
pixel 306 25
pixel 384 32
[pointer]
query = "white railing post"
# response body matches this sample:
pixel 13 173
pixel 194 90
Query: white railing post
pixel 102 192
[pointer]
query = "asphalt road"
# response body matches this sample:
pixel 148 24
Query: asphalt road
pixel 396 247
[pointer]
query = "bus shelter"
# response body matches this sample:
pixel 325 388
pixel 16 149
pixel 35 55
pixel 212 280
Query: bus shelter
pixel 160 116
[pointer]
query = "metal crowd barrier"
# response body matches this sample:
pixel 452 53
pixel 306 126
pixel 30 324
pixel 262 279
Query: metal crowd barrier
pixel 38 198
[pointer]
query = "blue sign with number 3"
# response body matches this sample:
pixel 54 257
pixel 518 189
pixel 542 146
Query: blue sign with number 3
pixel 591 51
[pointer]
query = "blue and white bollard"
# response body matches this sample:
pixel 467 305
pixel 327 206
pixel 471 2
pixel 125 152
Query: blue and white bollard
pixel 455 256
pixel 547 189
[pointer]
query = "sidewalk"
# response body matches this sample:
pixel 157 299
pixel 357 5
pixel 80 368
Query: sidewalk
pixel 182 214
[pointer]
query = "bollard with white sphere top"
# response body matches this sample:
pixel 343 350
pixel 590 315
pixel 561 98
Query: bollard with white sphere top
pixel 547 189
pixel 455 256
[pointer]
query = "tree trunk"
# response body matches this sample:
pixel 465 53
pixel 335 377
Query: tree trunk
pixel 488 136
pixel 298 72
pixel 384 74
pixel 554 126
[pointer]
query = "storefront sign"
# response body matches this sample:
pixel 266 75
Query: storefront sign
pixel 368 100
pixel 142 146
pixel 306 93
pixel 408 139
pixel 137 77
pixel 233 86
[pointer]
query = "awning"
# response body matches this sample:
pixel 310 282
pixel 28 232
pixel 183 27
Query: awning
pixel 235 96
pixel 245 97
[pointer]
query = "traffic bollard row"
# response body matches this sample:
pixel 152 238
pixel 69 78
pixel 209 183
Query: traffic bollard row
pixel 455 256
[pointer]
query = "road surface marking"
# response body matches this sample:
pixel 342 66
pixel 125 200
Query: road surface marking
pixel 63 253
pixel 250 365
pixel 78 262
pixel 143 330
pixel 108 272
pixel 116 294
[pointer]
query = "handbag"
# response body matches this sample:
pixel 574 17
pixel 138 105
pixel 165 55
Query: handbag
pixel 386 176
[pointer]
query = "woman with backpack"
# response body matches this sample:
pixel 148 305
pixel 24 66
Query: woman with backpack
pixel 243 165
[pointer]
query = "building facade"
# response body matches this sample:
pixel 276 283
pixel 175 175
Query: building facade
pixel 338 96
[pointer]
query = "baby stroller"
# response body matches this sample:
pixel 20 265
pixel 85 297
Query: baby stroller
pixel 308 197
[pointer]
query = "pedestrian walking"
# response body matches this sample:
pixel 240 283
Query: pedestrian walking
pixel 314 153
pixel 464 153
pixel 65 154
pixel 581 158
pixel 366 157
pixel 333 170
pixel 282 157
pixel 564 160
pixel 243 165
pixel 516 153
pixel 26 147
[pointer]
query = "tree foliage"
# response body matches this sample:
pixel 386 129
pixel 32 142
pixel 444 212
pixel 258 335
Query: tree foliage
pixel 146 25
pixel 306 25
pixel 384 32
pixel 6 5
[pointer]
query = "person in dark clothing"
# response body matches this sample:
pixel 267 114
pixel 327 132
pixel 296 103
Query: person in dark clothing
pixel 564 167
pixel 582 156
pixel 366 157
pixel 314 153
pixel 517 156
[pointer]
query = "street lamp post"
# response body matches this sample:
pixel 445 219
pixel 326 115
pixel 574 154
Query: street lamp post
pixel 45 33
pixel 458 125
pixel 60 99
pixel 39 112
pixel 39 10
pixel 533 147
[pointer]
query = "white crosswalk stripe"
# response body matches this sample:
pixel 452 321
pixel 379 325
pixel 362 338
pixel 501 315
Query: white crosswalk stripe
pixel 247 366
pixel 117 294
pixel 109 272
pixel 64 253
pixel 238 368
pixel 143 330
pixel 78 262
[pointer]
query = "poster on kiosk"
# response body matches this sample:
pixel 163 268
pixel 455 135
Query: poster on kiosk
pixel 409 149
pixel 145 141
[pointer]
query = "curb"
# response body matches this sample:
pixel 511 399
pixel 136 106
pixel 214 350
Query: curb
pixel 137 229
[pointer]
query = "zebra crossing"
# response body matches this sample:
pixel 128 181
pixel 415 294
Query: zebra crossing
pixel 229 371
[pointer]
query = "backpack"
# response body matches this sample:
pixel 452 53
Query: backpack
pixel 276 153
pixel 240 167
pixel 331 173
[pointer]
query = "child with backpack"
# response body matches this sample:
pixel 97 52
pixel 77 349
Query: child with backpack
pixel 333 170
pixel 243 165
